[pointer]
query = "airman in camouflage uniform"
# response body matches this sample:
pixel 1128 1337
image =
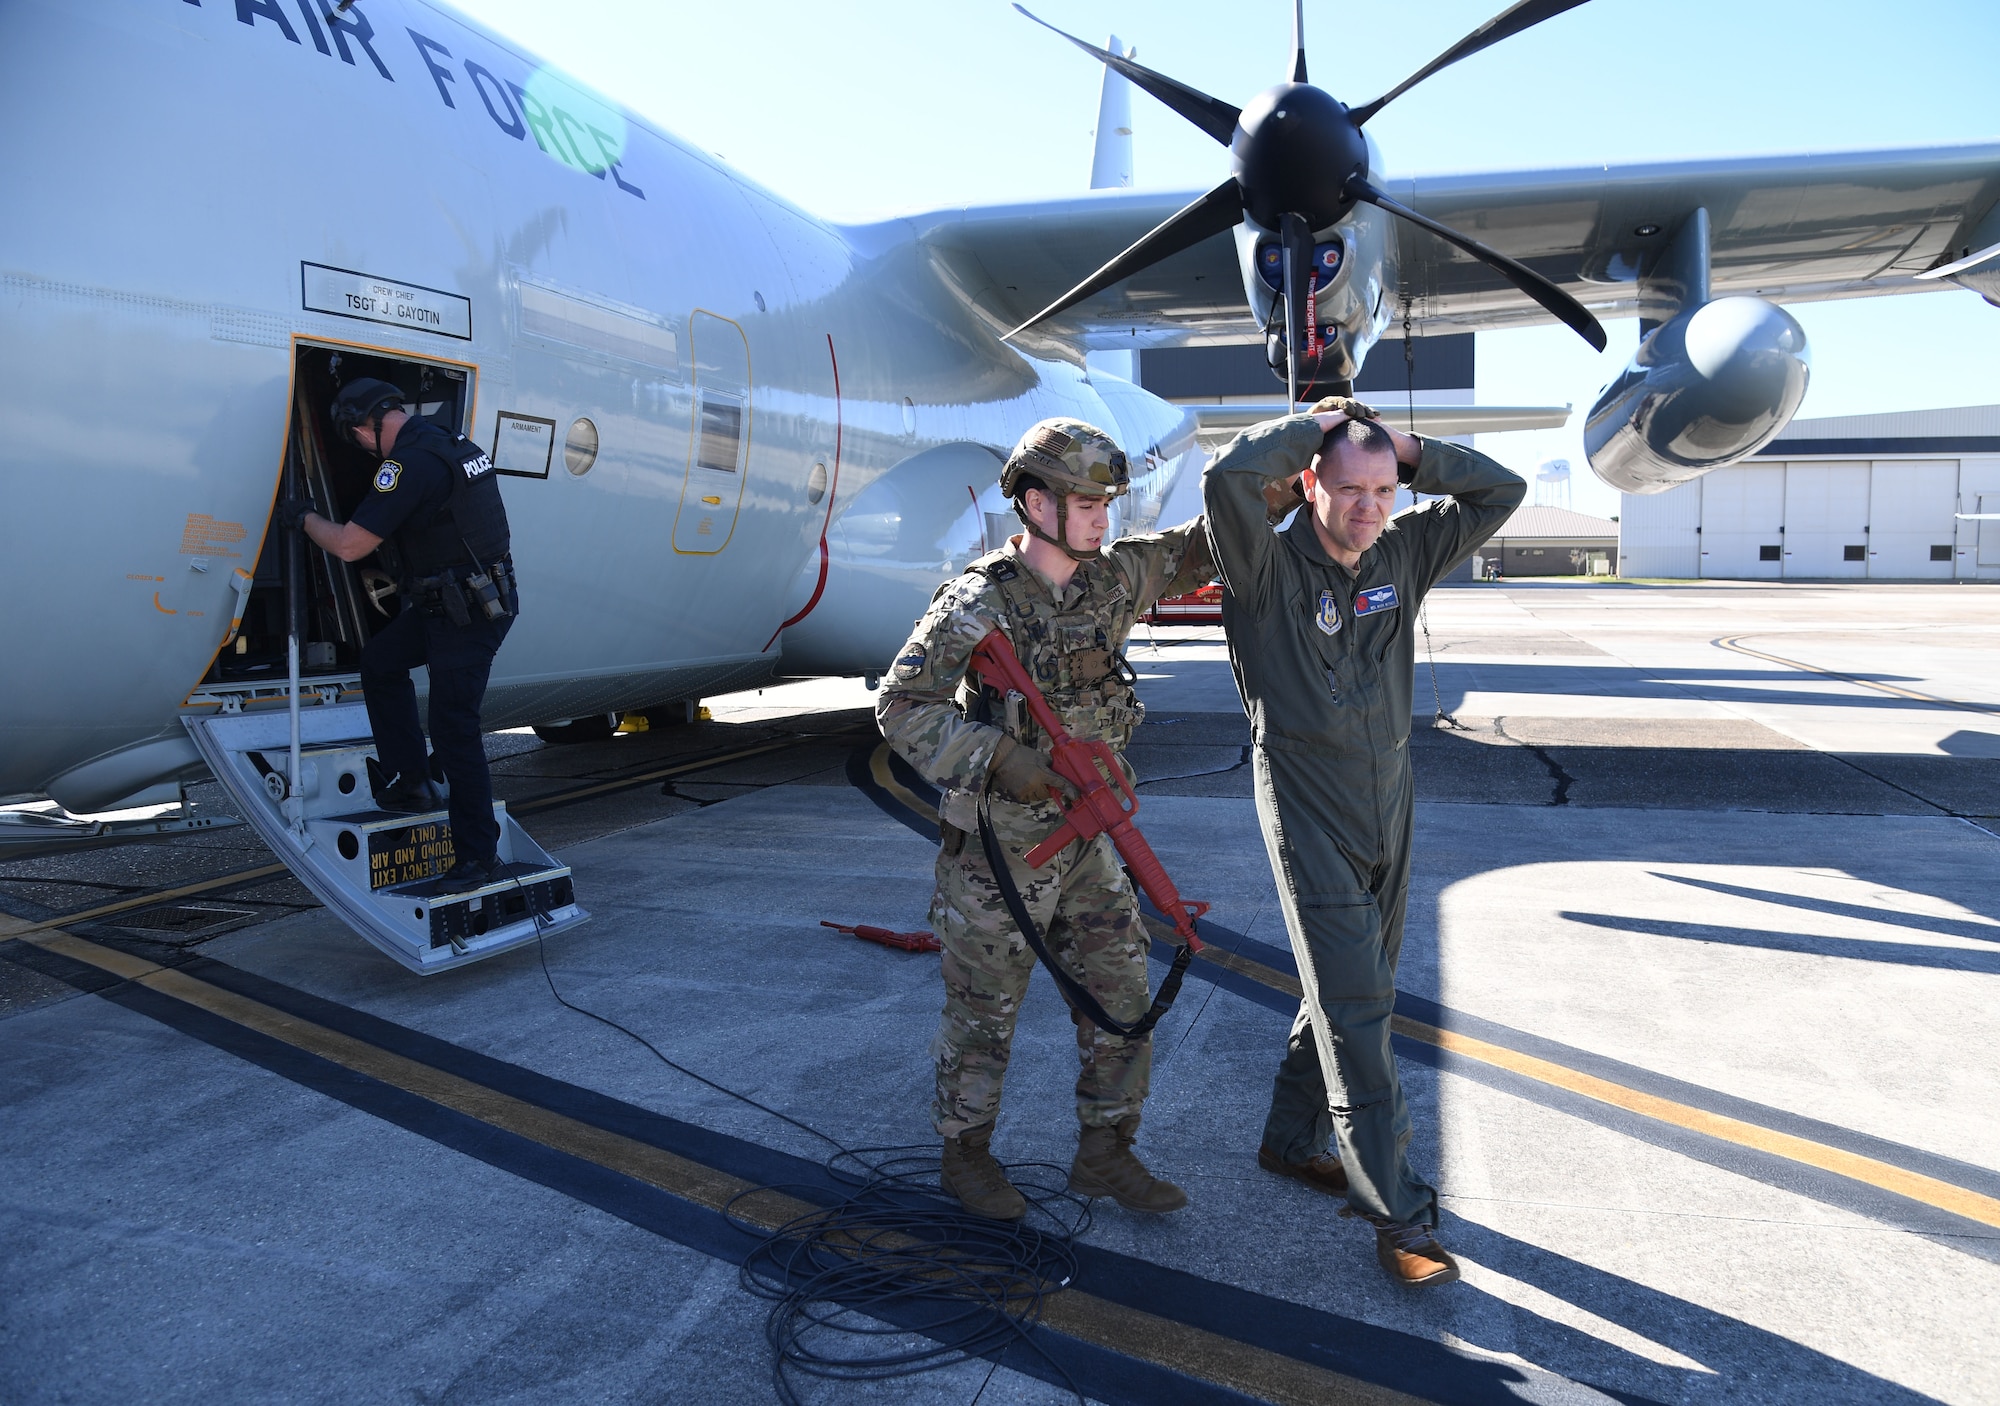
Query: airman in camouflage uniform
pixel 1066 605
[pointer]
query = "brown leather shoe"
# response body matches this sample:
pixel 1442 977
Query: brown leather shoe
pixel 1412 1255
pixel 1322 1173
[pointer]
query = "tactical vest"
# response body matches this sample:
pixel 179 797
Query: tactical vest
pixel 1073 651
pixel 471 526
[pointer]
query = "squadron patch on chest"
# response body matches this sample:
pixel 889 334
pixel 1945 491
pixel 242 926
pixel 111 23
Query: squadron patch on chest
pixel 1376 599
pixel 1327 617
pixel 387 476
pixel 911 662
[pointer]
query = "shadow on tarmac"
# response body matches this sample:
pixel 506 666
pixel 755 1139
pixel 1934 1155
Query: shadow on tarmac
pixel 1922 922
pixel 1785 1370
pixel 1908 954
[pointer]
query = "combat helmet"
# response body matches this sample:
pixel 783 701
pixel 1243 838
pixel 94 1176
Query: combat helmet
pixel 362 402
pixel 1068 456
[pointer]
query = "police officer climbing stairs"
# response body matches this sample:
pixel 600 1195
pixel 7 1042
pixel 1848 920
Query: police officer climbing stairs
pixel 434 513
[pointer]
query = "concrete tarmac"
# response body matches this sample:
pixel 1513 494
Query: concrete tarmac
pixel 1698 1032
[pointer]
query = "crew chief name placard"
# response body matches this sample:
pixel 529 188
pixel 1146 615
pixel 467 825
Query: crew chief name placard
pixel 345 293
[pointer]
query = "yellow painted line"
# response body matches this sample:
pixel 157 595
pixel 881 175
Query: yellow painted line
pixel 1130 1332
pixel 8 928
pixel 1871 1172
pixel 1914 1185
pixel 1735 644
pixel 147 900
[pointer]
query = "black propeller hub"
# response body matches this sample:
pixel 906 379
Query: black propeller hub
pixel 1295 148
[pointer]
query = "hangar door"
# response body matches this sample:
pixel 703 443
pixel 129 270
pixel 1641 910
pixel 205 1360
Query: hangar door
pixel 1743 522
pixel 1910 517
pixel 1826 520
pixel 718 436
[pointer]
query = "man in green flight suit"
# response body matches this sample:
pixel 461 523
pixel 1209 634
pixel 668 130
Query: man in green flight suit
pixel 1066 603
pixel 1321 623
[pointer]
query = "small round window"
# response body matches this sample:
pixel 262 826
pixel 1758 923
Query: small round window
pixel 580 448
pixel 816 483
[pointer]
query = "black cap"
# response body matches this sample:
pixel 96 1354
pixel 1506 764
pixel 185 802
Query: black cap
pixel 360 402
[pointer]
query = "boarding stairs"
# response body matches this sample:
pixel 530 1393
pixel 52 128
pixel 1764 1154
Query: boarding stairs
pixel 300 777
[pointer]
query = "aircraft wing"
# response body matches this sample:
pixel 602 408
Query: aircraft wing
pixel 1010 261
pixel 1791 228
pixel 1788 228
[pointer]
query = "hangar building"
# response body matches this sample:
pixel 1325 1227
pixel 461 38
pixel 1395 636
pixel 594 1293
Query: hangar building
pixel 1850 497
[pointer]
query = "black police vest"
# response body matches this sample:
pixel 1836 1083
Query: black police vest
pixel 471 527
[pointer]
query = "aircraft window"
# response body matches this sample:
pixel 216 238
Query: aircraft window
pixel 816 483
pixel 631 335
pixel 580 447
pixel 721 434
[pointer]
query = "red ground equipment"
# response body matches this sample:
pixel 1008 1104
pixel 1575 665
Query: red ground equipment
pixel 1105 803
pixel 1202 606
pixel 901 941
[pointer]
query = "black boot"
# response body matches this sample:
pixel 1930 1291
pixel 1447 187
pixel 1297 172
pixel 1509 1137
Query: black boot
pixel 403 795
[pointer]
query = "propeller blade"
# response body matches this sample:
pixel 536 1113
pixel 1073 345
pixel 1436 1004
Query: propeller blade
pixel 1206 215
pixel 1505 25
pixel 1212 115
pixel 1566 309
pixel 1298 41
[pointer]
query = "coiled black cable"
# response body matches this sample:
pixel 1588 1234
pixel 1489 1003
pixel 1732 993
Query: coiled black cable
pixel 896 1278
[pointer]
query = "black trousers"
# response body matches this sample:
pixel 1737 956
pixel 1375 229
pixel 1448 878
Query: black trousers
pixel 460 657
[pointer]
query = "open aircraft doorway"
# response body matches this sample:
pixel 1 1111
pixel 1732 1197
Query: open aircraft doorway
pixel 344 602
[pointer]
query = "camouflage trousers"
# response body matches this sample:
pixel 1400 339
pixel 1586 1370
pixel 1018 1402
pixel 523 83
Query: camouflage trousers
pixel 1089 917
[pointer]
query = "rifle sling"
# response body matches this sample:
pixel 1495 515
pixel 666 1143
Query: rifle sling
pixel 1073 991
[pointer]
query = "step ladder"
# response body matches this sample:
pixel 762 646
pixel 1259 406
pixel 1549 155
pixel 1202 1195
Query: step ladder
pixel 377 870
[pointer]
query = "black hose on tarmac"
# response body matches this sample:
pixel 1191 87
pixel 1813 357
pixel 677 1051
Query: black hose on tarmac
pixel 897 1278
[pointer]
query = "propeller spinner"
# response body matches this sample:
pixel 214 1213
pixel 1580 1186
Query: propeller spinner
pixel 1298 163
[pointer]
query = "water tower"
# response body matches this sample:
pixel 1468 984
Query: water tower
pixel 1552 484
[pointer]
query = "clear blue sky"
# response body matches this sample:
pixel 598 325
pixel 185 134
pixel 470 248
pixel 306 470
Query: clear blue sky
pixel 858 110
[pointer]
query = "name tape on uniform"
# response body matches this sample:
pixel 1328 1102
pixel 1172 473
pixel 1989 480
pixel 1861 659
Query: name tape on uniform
pixel 345 293
pixel 1376 599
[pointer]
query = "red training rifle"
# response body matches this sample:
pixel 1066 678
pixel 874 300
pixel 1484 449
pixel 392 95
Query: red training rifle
pixel 1105 802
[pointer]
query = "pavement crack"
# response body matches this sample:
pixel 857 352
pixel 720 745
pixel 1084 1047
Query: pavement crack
pixel 1242 760
pixel 1562 779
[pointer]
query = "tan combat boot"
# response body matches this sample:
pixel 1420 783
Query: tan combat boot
pixel 1106 1166
pixel 1412 1255
pixel 971 1174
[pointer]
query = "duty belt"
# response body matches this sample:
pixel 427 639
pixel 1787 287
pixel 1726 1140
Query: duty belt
pixel 457 592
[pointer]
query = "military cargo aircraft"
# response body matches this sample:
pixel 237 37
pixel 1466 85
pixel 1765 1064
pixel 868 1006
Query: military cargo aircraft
pixel 740 442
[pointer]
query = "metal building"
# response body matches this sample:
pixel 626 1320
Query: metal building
pixel 1849 497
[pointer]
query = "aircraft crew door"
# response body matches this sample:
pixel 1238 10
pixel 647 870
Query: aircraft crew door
pixel 718 435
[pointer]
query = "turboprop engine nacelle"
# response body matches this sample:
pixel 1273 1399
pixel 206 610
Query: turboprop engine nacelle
pixel 1704 390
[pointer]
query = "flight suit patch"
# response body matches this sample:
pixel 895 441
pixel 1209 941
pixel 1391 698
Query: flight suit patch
pixel 1376 599
pixel 1328 615
pixel 387 476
